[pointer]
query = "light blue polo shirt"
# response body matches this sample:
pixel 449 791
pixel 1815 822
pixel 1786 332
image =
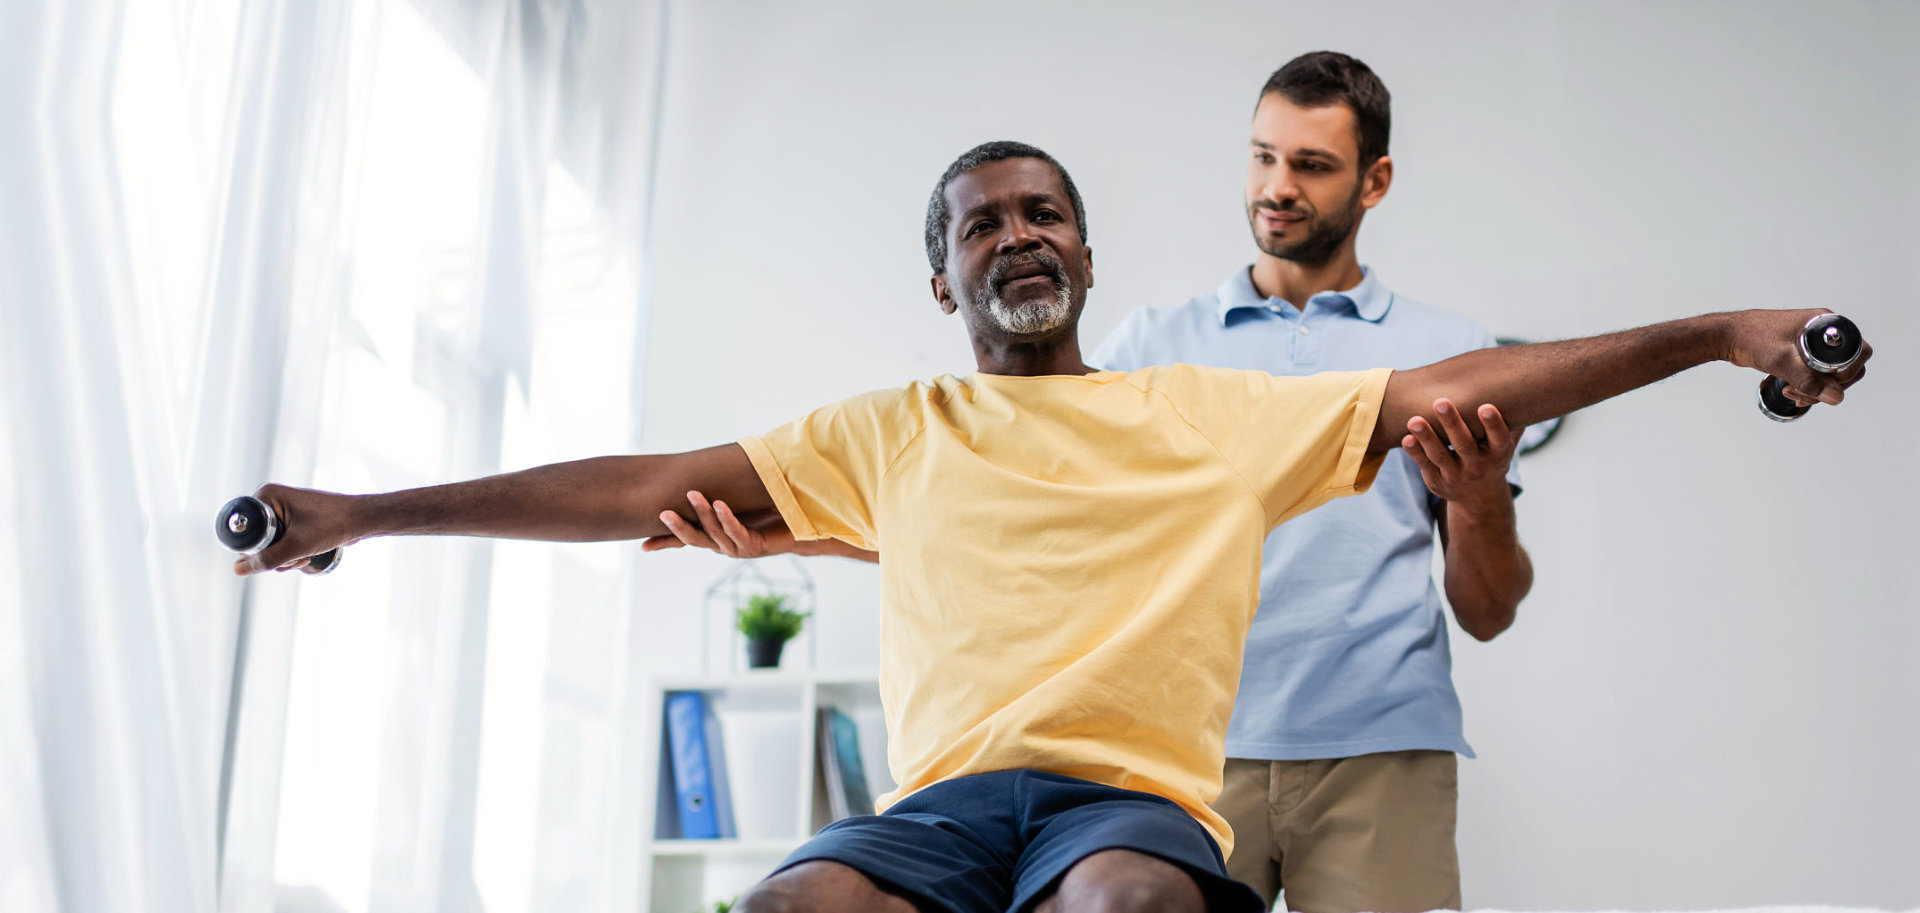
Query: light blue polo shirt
pixel 1348 652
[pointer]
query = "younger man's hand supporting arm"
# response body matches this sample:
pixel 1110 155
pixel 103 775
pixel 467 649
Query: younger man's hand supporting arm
pixel 1487 570
pixel 1531 383
pixel 717 528
pixel 593 500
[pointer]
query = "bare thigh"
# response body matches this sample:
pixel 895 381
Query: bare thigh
pixel 1122 881
pixel 821 886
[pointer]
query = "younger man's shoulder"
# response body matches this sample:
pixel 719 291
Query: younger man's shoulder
pixel 1414 314
pixel 1202 313
pixel 1431 333
pixel 1151 334
pixel 1197 312
pixel 1184 380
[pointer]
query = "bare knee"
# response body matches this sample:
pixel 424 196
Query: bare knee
pixel 1140 895
pixel 819 887
pixel 1155 896
pixel 1122 881
pixel 767 897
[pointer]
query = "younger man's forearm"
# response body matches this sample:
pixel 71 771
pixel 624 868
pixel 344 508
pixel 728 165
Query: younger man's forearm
pixel 1487 570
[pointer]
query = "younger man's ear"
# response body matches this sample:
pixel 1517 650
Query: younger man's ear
pixel 1378 180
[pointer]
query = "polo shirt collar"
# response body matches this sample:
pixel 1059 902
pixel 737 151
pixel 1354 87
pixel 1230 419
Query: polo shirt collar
pixel 1370 299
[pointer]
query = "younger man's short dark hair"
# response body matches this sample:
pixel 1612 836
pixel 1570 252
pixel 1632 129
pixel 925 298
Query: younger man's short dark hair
pixel 1323 78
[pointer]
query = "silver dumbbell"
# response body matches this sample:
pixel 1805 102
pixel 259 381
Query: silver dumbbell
pixel 247 525
pixel 1829 344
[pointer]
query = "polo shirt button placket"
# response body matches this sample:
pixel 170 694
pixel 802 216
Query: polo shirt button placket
pixel 1306 345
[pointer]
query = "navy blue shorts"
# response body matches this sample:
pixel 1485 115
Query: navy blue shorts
pixel 999 842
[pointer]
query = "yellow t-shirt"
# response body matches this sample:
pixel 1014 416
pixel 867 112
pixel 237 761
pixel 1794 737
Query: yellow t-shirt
pixel 1069 564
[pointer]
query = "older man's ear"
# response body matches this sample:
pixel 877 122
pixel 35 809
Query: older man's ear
pixel 943 293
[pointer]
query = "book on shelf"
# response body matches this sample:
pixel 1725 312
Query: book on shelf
pixel 845 774
pixel 702 802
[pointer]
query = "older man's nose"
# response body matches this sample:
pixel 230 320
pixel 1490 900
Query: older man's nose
pixel 1019 235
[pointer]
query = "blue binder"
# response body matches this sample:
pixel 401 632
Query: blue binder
pixel 699 768
pixel 717 763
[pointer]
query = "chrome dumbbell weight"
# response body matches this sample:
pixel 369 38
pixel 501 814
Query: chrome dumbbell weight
pixel 247 525
pixel 1829 344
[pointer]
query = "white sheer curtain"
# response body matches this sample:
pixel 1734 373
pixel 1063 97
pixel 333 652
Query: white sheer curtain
pixel 359 244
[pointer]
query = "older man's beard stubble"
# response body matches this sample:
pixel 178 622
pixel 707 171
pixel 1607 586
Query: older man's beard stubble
pixel 1032 318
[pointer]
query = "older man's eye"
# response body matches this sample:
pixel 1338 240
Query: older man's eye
pixel 975 229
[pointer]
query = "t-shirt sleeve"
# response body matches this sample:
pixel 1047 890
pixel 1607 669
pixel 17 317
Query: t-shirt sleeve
pixel 824 469
pixel 1299 442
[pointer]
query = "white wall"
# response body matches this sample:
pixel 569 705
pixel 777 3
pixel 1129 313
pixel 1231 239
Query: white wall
pixel 1709 699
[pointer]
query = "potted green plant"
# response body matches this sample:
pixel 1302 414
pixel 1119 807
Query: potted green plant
pixel 768 624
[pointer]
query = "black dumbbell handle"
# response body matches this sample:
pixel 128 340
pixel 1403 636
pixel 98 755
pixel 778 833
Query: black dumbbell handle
pixel 247 525
pixel 1774 402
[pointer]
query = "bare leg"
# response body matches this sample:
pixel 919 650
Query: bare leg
pixel 821 887
pixel 1123 881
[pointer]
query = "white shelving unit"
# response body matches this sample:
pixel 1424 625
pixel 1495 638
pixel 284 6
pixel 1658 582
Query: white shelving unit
pixel 767 725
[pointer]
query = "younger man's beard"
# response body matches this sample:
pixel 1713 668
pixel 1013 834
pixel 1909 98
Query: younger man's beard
pixel 1324 236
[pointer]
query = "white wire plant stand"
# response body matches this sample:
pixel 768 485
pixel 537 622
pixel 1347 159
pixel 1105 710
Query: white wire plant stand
pixel 782 575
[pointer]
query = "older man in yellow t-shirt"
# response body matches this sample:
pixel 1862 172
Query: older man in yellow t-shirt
pixel 1100 653
pixel 1070 556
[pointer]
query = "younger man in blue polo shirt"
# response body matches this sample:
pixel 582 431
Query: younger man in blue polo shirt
pixel 1340 779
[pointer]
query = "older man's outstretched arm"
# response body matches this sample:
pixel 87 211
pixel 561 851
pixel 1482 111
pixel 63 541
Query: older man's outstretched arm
pixel 592 500
pixel 1535 382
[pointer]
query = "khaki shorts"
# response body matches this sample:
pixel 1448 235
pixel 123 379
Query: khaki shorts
pixel 1343 835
